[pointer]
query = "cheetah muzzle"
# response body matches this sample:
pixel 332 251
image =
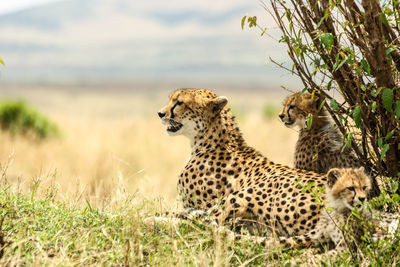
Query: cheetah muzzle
pixel 174 126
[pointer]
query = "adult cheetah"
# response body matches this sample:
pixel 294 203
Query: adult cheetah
pixel 223 170
pixel 318 149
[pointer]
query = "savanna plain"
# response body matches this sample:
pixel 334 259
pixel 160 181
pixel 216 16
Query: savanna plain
pixel 81 198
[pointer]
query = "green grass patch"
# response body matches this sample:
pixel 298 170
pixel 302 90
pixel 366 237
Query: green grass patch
pixel 17 117
pixel 48 232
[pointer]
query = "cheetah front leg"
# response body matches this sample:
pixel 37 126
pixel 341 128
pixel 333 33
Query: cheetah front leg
pixel 307 240
pixel 301 241
pixel 174 218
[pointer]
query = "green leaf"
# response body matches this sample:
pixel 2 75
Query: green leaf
pixel 357 116
pixel 350 59
pixel 390 134
pixel 252 21
pixel 373 106
pixel 395 185
pixel 387 99
pixel 340 119
pixel 288 15
pixel 296 50
pixel 338 63
pixel 312 96
pixel 397 109
pixel 322 104
pixel 309 121
pixel 396 197
pixel 349 50
pixel 384 19
pixel 2 62
pixel 262 34
pixel 390 50
pixel 243 21
pixel 284 39
pixel 385 149
pixel 363 87
pixel 380 143
pixel 322 19
pixel 349 139
pixel 365 66
pixel 327 40
pixel 303 91
pixel 348 142
pixel 334 104
pixel 329 86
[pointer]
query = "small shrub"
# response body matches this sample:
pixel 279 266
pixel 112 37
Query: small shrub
pixel 17 117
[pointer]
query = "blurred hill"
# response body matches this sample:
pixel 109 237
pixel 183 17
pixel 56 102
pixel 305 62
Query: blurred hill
pixel 119 41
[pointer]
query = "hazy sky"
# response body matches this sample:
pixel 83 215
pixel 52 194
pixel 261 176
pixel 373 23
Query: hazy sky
pixel 14 5
pixel 135 40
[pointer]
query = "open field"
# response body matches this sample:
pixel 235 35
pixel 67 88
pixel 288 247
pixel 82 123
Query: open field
pixel 82 199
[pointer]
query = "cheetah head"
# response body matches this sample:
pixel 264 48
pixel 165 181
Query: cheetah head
pixel 190 111
pixel 296 107
pixel 347 187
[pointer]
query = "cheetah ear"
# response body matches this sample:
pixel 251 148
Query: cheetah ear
pixel 361 169
pixel 333 176
pixel 218 103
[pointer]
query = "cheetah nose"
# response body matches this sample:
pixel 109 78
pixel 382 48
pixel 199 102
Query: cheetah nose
pixel 281 116
pixel 361 199
pixel 160 114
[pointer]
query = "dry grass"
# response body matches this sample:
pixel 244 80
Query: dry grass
pixel 113 139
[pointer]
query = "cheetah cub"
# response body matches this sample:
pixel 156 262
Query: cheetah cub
pixel 318 149
pixel 346 188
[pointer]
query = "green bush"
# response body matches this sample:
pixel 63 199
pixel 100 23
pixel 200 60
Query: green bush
pixel 18 117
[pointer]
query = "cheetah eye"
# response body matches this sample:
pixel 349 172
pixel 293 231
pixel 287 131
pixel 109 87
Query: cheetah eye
pixel 291 107
pixel 351 188
pixel 178 103
pixel 364 188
